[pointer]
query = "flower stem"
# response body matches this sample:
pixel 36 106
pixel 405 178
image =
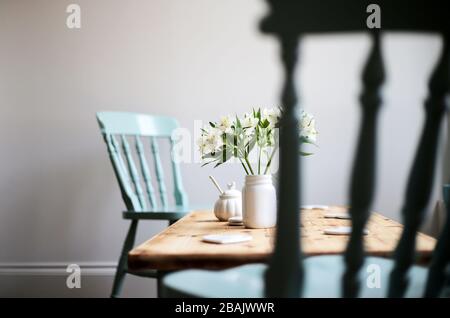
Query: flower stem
pixel 259 160
pixel 270 159
pixel 243 165
pixel 249 165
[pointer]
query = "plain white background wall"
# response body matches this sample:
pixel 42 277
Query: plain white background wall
pixel 194 60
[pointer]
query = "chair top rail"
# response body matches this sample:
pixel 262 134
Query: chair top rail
pixel 126 123
pixel 322 16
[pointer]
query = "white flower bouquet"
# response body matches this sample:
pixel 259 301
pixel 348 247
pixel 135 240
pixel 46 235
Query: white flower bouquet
pixel 255 133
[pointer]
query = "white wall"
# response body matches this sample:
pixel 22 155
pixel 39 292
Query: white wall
pixel 196 59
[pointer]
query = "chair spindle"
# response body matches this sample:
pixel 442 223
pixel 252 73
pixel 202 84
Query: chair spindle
pixel 285 273
pixel 363 175
pixel 181 197
pixel 131 202
pixel 421 177
pixel 159 172
pixel 133 173
pixel 145 172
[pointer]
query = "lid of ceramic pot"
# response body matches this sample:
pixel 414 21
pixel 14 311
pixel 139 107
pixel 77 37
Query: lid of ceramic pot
pixel 231 192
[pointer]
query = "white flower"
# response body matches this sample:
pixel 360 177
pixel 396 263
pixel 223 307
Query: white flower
pixel 265 114
pixel 225 124
pixel 308 127
pixel 249 123
pixel 272 115
pixel 210 141
pixel 254 132
pixel 249 120
pixel 249 131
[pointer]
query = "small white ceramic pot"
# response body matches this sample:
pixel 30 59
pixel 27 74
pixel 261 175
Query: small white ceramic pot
pixel 229 203
pixel 259 202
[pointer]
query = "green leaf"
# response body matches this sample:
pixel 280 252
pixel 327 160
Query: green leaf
pixel 213 125
pixel 218 164
pixel 238 123
pixel 264 124
pixel 212 155
pixel 307 141
pixel 207 163
pixel 250 145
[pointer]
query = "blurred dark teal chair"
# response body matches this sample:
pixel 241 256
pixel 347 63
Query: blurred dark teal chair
pixel 124 132
pixel 288 274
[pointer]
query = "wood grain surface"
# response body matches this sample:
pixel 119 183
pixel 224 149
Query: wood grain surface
pixel 180 246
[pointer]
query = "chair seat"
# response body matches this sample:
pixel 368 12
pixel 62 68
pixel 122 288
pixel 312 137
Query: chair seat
pixel 323 275
pixel 171 213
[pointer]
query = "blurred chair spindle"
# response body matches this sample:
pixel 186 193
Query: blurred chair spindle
pixel 421 177
pixel 284 279
pixel 290 275
pixel 363 175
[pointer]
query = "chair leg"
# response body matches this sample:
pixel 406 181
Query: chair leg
pixel 159 278
pixel 123 260
pixel 160 288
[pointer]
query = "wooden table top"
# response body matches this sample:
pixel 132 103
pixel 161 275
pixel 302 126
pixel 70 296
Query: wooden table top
pixel 180 246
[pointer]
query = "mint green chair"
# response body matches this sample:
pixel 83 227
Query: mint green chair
pixel 288 273
pixel 122 133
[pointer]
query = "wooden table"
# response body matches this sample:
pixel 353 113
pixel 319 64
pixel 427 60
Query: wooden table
pixel 180 246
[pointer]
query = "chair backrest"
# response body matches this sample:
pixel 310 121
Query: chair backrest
pixel 288 21
pixel 124 132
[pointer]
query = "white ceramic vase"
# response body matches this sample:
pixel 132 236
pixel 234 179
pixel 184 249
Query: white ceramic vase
pixel 259 202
